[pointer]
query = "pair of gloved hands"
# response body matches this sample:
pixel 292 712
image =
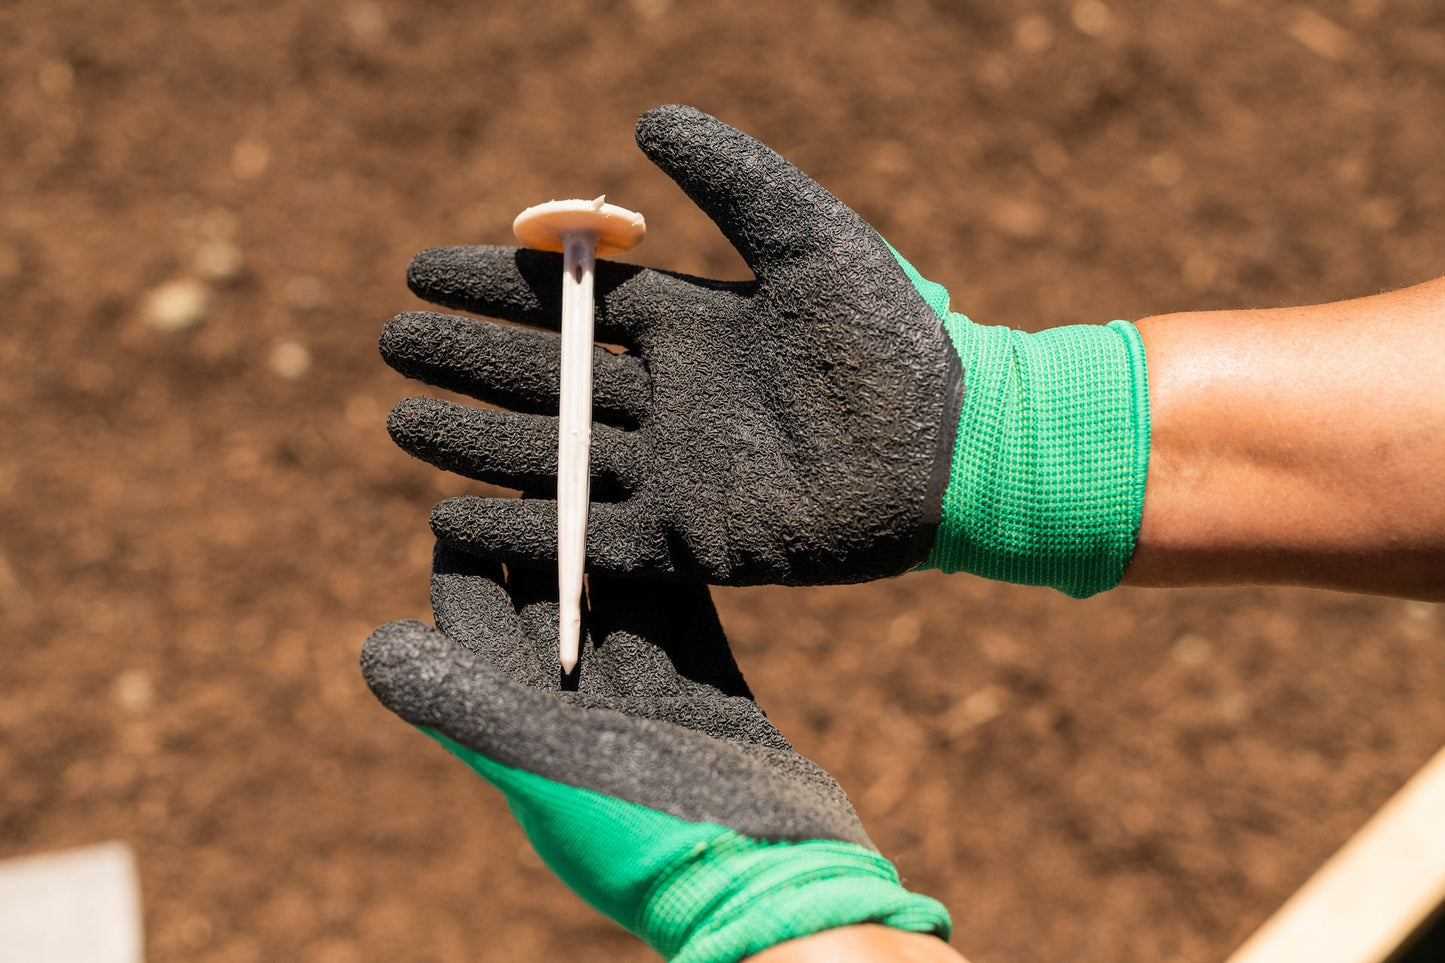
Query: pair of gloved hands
pixel 828 422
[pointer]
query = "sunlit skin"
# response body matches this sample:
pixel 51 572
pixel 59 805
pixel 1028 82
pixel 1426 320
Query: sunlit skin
pixel 1298 446
pixel 1290 446
pixel 865 943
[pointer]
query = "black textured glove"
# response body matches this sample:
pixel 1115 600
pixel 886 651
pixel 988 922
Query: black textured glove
pixel 658 791
pixel 794 429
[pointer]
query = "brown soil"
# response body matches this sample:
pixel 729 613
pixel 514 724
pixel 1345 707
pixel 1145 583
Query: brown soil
pixel 198 530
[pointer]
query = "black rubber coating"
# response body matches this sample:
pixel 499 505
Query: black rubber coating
pixel 794 429
pixel 660 717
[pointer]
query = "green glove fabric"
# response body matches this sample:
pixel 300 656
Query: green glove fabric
pixel 1047 481
pixel 657 790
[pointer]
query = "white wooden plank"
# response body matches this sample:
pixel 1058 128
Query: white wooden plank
pixel 78 906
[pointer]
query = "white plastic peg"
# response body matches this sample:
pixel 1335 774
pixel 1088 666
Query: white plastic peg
pixel 580 230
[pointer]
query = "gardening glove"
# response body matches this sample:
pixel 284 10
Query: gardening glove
pixel 657 790
pixel 809 426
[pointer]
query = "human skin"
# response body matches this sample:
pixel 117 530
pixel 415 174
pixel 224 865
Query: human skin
pixel 1298 446
pixel 864 943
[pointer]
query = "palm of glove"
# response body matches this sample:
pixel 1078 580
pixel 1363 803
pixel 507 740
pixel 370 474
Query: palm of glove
pixel 793 429
pixel 661 716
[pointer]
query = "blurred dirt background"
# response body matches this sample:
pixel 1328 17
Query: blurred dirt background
pixel 206 210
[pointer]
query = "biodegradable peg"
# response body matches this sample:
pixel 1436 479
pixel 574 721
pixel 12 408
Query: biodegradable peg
pixel 580 230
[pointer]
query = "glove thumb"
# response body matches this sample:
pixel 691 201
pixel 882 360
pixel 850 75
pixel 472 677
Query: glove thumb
pixel 767 208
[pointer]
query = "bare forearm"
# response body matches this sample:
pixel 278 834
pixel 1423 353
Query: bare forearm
pixel 1299 446
pixel 865 943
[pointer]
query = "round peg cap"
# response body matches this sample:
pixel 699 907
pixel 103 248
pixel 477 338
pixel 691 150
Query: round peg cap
pixel 616 228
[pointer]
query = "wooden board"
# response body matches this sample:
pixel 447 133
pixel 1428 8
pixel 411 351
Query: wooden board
pixel 77 906
pixel 1377 900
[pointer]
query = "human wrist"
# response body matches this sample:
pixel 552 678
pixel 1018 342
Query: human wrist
pixel 861 943
pixel 1297 446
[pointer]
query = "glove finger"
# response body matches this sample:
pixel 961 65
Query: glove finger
pixel 621 536
pixel 625 663
pixel 474 607
pixel 514 626
pixel 419 674
pixel 506 448
pixel 524 286
pixel 511 283
pixel 640 639
pixel 643 623
pixel 534 593
pixel 770 211
pixel 516 368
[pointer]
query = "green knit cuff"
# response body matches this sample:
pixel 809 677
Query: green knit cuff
pixel 1047 484
pixel 743 895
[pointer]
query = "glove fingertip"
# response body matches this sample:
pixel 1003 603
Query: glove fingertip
pixel 427 267
pixel 769 210
pixel 402 420
pixel 403 335
pixel 682 141
pixel 654 124
pixel 394 659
